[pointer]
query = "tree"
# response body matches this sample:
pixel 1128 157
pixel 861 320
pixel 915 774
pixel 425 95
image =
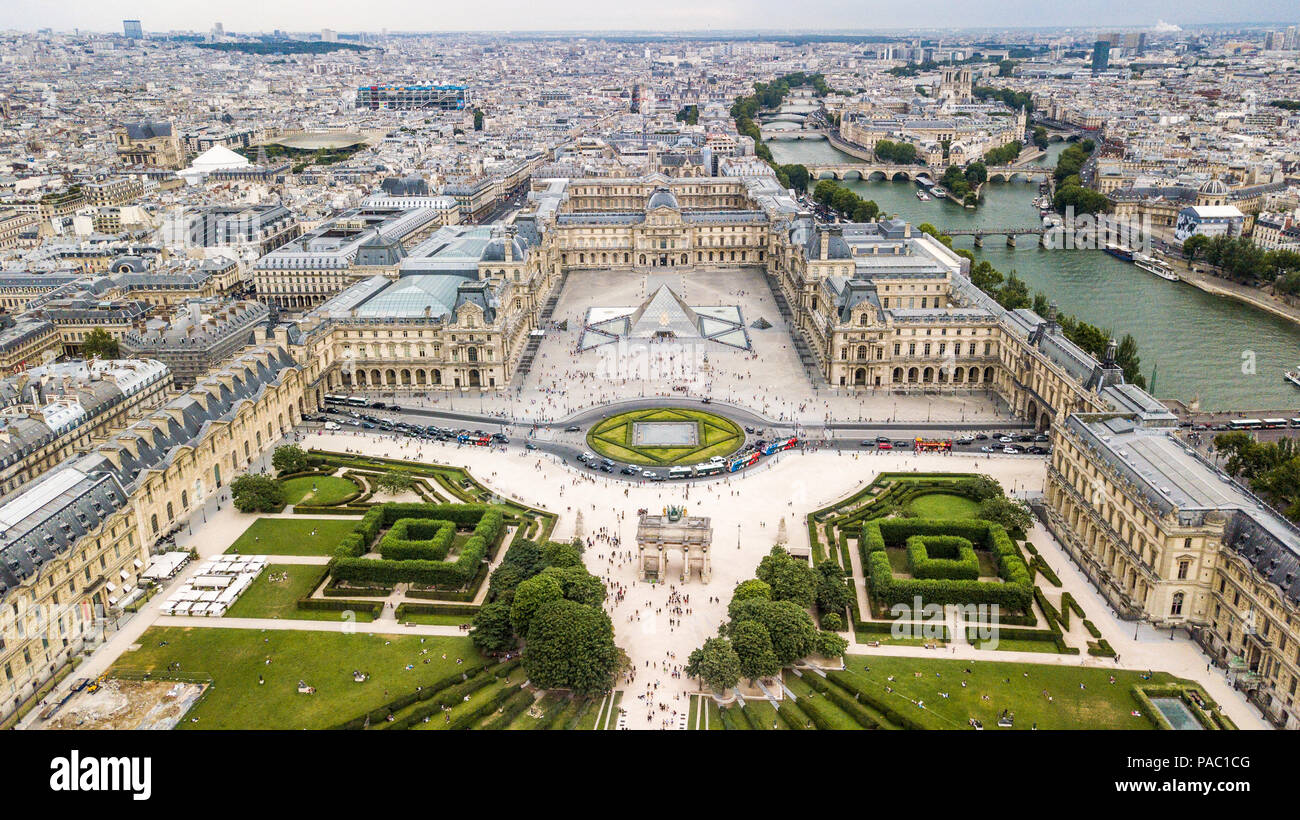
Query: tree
pixel 289 458
pixel 829 645
pixel 981 487
pixel 1014 294
pixel 493 630
pixel 257 492
pixel 98 344
pixel 791 579
pixel 530 596
pixel 831 592
pixel 571 646
pixel 789 625
pixel 753 588
pixel 792 630
pixel 478 119
pixel 578 585
pixel 392 482
pixel 715 664
pixel 753 646
pixel 562 554
pixel 1009 512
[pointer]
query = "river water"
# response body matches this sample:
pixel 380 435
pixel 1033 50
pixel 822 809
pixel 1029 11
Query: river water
pixel 1227 354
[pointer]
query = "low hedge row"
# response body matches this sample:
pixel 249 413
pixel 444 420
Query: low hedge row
pixel 511 709
pixel 792 715
pixel 408 608
pixel 876 700
pixel 1101 649
pixel 379 713
pixel 375 608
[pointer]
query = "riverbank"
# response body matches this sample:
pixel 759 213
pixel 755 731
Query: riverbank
pixel 1217 286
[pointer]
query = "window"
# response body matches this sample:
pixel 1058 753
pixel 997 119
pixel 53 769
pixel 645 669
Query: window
pixel 1183 567
pixel 1177 608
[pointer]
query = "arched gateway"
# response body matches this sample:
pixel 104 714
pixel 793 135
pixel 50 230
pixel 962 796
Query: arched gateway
pixel 656 535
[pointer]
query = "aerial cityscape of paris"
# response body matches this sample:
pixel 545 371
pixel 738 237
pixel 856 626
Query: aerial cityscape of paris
pixel 680 367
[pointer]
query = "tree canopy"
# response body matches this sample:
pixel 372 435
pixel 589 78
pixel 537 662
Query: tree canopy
pixel 571 646
pixel 257 492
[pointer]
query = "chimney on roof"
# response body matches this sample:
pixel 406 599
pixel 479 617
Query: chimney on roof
pixel 1112 347
pixel 825 245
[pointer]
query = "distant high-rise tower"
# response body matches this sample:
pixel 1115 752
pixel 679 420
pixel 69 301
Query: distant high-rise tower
pixel 1100 56
pixel 131 30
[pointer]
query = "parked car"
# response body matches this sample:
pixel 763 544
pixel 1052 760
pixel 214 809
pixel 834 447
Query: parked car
pixel 628 470
pixel 884 445
pixel 378 405
pixel 866 442
pixel 572 428
pixel 882 440
pixel 528 445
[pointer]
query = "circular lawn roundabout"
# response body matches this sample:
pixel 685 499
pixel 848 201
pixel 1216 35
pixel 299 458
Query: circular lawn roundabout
pixel 665 437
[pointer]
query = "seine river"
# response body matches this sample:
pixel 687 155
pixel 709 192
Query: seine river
pixel 1200 343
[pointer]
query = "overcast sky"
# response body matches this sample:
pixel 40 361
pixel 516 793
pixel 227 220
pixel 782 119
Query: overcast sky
pixel 656 15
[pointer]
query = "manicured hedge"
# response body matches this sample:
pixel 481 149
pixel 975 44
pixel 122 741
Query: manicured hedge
pixel 425 539
pixel 1015 594
pixel 942 556
pixel 489 524
pixel 375 608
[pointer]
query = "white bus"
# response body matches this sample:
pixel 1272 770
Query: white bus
pixel 1274 424
pixel 357 401
pixel 1245 424
pixel 336 399
pixel 680 472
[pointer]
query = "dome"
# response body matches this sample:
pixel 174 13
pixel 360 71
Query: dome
pixel 1214 187
pixel 495 250
pixel 662 198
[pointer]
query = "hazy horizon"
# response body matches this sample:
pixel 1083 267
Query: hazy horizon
pixel 664 17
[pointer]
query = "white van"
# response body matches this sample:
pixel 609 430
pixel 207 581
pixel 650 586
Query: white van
pixel 331 425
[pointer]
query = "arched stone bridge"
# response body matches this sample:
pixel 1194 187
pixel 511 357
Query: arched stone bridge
pixel 1009 233
pixel 889 171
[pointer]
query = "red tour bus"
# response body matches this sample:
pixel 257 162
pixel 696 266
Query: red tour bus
pixel 938 445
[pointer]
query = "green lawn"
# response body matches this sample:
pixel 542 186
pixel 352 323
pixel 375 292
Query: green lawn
pixel 613 437
pixel 292 536
pixel 329 490
pixel 944 505
pixel 436 619
pixel 233 658
pixel 713 715
pixel 1101 705
pixel 278 599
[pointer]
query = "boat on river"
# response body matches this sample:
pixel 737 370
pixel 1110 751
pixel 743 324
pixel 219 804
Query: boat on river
pixel 923 196
pixel 1293 376
pixel 1156 266
pixel 938 193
